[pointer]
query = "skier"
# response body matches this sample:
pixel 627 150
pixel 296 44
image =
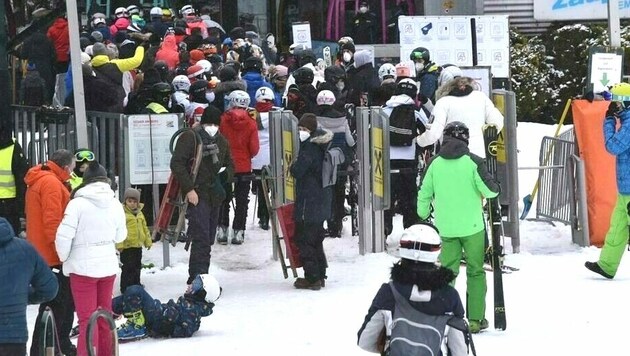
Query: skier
pixel 387 76
pixel 181 318
pixel 181 85
pixel 455 182
pixel 426 73
pixel 418 283
pixel 264 102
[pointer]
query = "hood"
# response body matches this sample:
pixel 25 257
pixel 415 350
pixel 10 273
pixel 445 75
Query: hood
pixel 169 43
pixel 453 148
pixel 6 231
pixel 236 118
pixel 50 168
pixel 362 57
pixel 122 23
pixel 321 137
pixel 99 60
pixel 401 99
pixel 426 277
pixel 254 78
pixel 98 193
pixel 60 23
pixel 230 86
pixel 461 86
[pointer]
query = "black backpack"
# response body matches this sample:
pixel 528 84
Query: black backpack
pixel 402 125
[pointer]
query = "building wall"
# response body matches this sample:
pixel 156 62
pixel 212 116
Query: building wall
pixel 521 14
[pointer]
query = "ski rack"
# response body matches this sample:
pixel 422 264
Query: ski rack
pixel 47 321
pixel 107 315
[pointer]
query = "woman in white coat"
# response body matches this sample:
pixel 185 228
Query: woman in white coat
pixel 93 222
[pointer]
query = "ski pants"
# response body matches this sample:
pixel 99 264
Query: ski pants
pixel 474 249
pixel 404 193
pixel 131 259
pixel 91 294
pixel 262 213
pixel 616 237
pixel 241 197
pixel 202 227
pixel 335 224
pixel 13 349
pixel 309 238
pixel 62 307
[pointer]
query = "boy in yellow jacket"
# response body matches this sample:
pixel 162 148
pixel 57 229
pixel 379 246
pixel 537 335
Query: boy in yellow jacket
pixel 137 235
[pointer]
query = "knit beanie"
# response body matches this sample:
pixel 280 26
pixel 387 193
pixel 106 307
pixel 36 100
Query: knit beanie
pixel 308 121
pixel 211 115
pixel 94 170
pixel 99 49
pixel 132 193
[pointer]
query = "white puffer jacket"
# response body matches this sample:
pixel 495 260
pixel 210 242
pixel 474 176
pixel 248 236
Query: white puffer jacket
pixel 94 221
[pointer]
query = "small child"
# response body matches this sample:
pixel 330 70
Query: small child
pixel 137 235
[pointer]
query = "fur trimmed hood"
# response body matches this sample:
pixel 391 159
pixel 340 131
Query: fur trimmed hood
pixel 322 136
pixel 425 276
pixel 460 86
pixel 230 86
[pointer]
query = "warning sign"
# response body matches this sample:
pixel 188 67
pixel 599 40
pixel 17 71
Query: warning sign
pixel 377 162
pixel 287 155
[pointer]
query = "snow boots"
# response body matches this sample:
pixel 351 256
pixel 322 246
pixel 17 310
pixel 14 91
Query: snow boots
pixel 476 326
pixel 239 237
pixel 594 266
pixel 222 235
pixel 303 283
pixel 134 328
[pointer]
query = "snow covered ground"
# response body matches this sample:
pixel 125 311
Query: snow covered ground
pixel 554 305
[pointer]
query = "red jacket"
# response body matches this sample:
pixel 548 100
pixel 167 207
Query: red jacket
pixel 46 200
pixel 168 52
pixel 240 129
pixel 58 34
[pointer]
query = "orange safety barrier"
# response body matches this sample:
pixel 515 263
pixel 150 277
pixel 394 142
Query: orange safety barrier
pixel 601 184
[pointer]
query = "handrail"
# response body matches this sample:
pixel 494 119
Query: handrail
pixel 101 313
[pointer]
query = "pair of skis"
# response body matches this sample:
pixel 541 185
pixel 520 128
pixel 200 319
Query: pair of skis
pixel 490 137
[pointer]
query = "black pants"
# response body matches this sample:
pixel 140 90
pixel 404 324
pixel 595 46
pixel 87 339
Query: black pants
pixel 262 213
pixel 309 238
pixel 241 197
pixel 404 193
pixel 63 311
pixel 13 349
pixel 131 259
pixel 9 210
pixel 335 224
pixel 202 227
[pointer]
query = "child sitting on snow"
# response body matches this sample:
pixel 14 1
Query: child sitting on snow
pixel 149 317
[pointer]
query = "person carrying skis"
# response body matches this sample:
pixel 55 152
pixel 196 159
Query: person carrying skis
pixel 455 182
pixel 418 286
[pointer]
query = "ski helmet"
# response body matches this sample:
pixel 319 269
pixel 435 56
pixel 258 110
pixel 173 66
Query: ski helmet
pixel 448 73
pixel 333 74
pixel 181 83
pixel 252 64
pixel 187 10
pixel 120 12
pixel 264 94
pixel 133 10
pixel 161 92
pixel 208 284
pixel 420 53
pixel 387 71
pixel 303 75
pixel 408 87
pixel 325 97
pixel 98 21
pixel 458 130
pixel 156 12
pixel 207 67
pixel 420 242
pixel 239 99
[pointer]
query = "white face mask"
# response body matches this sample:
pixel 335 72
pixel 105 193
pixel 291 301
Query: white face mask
pixel 419 67
pixel 210 96
pixel 211 129
pixel 347 56
pixel 341 85
pixel 363 9
pixel 304 136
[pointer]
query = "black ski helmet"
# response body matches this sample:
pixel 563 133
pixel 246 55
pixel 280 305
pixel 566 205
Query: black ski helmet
pixel 303 75
pixel 161 92
pixel 252 64
pixel 333 74
pixel 420 53
pixel 458 130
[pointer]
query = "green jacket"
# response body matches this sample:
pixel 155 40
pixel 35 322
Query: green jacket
pixel 456 181
pixel 137 231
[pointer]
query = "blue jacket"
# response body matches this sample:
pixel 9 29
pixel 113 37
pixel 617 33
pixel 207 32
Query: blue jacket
pixel 25 279
pixel 618 144
pixel 254 82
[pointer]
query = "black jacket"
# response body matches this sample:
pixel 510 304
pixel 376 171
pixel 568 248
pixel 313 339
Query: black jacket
pixel 313 202
pixel 208 184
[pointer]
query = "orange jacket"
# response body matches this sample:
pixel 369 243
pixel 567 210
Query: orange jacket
pixel 46 200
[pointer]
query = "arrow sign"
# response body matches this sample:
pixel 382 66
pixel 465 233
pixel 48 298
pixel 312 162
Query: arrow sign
pixel 604 79
pixel 605 70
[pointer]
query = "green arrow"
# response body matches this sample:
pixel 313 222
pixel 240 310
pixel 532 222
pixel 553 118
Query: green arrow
pixel 604 79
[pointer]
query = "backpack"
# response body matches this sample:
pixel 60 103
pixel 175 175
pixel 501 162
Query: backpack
pixel 415 333
pixel 402 125
pixel 333 158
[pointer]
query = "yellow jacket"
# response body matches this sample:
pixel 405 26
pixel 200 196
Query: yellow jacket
pixel 137 231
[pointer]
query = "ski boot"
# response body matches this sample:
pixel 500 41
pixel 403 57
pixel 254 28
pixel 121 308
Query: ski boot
pixel 133 328
pixel 222 235
pixel 239 237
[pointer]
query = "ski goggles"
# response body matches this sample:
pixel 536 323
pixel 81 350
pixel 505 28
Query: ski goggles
pixel 84 156
pixel 421 246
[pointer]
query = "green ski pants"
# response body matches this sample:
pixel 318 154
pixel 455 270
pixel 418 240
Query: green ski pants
pixel 616 237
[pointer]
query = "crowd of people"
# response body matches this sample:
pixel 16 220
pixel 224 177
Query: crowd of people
pixel 225 84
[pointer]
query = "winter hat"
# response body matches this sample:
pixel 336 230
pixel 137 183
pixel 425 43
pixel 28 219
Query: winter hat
pixel 97 36
pixel 94 171
pixel 132 193
pixel 282 71
pixel 308 121
pixel 227 73
pixel 211 115
pixel 196 55
pixel 151 76
pixel 362 57
pixel 237 32
pixel 307 56
pixel 84 42
pixel 194 71
pixel 99 49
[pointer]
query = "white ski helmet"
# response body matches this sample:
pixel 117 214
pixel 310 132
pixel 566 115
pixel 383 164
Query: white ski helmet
pixel 205 64
pixel 120 12
pixel 264 94
pixel 326 97
pixel 133 10
pixel 387 70
pixel 187 10
pixel 239 99
pixel 420 242
pixel 181 83
pixel 448 73
pixel 208 283
pixel 156 12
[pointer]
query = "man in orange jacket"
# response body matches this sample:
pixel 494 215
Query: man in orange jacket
pixel 47 195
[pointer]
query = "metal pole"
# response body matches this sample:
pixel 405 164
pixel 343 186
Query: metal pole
pixel 77 74
pixel 5 107
pixel 614 31
pixel 512 170
pixel 365 200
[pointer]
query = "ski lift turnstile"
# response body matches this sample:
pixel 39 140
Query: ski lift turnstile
pixel 374 177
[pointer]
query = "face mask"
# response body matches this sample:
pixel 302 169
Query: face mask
pixel 347 57
pixel 419 67
pixel 341 85
pixel 211 129
pixel 304 136
pixel 264 106
pixel 363 9
pixel 210 96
